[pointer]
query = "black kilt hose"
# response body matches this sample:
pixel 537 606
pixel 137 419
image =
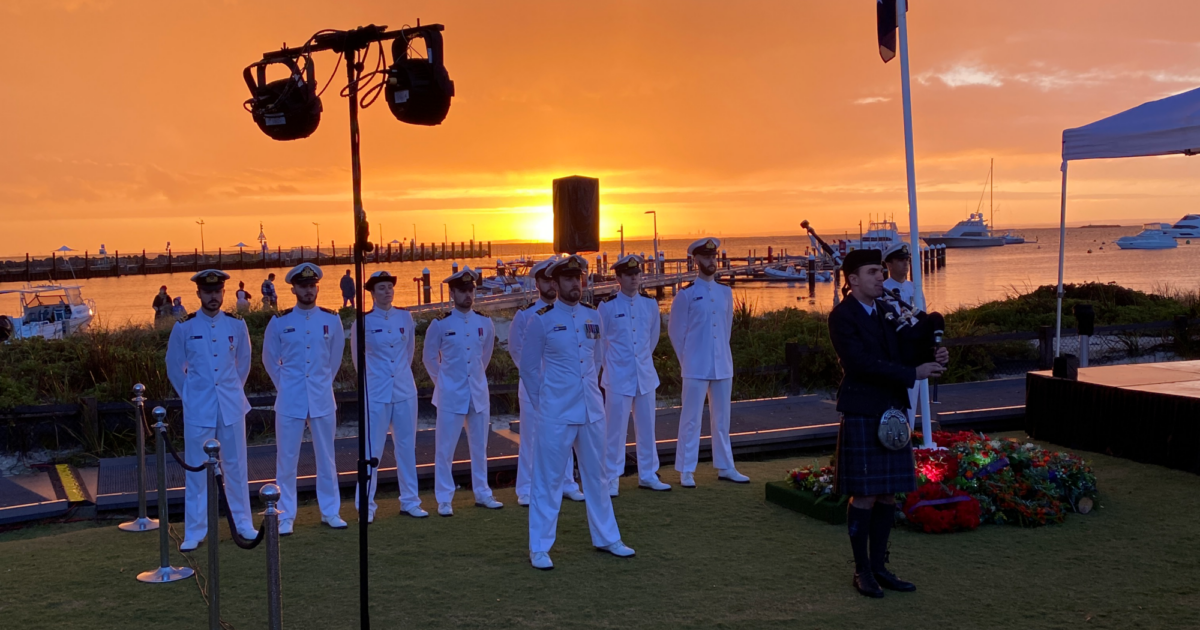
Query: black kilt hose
pixel 877 371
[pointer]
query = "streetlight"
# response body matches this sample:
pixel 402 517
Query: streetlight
pixel 621 231
pixel 414 234
pixel 318 233
pixel 201 224
pixel 655 213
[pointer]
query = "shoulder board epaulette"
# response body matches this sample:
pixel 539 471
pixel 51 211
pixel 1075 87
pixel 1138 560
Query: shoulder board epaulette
pixel 610 297
pixel 184 318
pixel 443 315
pixel 644 294
pixel 587 305
pixel 545 309
pixel 328 310
pixel 525 307
pixel 686 286
pixel 479 314
pixel 369 312
pixel 284 312
pixel 234 314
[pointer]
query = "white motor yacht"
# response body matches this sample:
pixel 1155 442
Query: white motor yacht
pixel 879 235
pixel 51 311
pixel 1152 236
pixel 973 232
pixel 1187 227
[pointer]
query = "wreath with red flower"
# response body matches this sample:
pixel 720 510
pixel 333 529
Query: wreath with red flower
pixel 937 508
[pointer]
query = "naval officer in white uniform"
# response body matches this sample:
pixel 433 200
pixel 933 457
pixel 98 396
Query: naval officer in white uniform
pixel 516 342
pixel 458 348
pixel 559 365
pixel 629 329
pixel 898 261
pixel 208 360
pixel 391 392
pixel 302 351
pixel 699 327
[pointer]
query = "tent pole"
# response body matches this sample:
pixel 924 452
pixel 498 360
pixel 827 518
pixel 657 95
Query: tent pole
pixel 1062 250
pixel 913 225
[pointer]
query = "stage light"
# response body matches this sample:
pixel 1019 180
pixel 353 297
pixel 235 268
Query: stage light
pixel 286 109
pixel 418 91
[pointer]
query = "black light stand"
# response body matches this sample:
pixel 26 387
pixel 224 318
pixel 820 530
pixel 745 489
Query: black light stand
pixel 349 43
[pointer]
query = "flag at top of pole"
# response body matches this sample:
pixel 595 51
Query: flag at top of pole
pixel 885 22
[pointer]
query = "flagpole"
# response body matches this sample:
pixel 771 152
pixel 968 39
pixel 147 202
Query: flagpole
pixel 914 230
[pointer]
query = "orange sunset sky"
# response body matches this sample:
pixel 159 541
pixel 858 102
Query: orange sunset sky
pixel 123 120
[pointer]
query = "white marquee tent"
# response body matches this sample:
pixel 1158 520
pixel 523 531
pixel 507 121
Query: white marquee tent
pixel 1163 127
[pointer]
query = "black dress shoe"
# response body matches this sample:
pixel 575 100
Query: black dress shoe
pixel 866 584
pixel 888 580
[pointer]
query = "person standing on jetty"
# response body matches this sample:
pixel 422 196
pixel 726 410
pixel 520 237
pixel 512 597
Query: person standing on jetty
pixel 243 298
pixel 391 392
pixel 162 304
pixel 874 452
pixel 458 348
pixel 208 361
pixel 560 365
pixel 347 287
pixel 629 330
pixel 302 351
pixel 269 298
pixel 516 344
pixel 700 323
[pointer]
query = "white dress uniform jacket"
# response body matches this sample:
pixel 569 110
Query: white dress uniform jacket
pixel 208 361
pixel 560 352
pixel 700 323
pixel 464 343
pixel 302 351
pixel 516 337
pixel 390 348
pixel 630 327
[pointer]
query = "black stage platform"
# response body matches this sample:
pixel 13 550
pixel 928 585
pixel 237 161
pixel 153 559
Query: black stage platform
pixel 1147 412
pixel 775 424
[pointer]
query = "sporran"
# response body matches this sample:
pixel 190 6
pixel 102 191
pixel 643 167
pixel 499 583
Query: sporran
pixel 894 432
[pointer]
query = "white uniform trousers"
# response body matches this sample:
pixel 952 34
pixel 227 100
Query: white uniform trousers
pixel 616 412
pixel 554 442
pixel 449 427
pixel 233 465
pixel 688 449
pixel 289 433
pixel 401 419
pixel 525 454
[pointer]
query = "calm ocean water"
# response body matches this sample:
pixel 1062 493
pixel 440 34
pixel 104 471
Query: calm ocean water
pixel 971 276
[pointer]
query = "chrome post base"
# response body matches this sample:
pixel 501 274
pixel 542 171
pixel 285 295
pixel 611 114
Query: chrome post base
pixel 142 524
pixel 163 575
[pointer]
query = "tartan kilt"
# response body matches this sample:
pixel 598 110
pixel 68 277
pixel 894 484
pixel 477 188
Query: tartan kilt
pixel 864 467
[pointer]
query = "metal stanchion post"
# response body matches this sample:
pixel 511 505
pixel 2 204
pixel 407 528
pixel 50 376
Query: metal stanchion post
pixel 270 494
pixel 142 523
pixel 165 572
pixel 212 448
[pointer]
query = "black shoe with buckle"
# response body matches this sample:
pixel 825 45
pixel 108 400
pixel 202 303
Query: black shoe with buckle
pixel 865 582
pixel 888 580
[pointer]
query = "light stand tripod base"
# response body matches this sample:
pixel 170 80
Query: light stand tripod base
pixel 163 575
pixel 139 525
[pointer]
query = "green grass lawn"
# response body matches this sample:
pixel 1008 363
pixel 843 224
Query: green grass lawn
pixel 715 557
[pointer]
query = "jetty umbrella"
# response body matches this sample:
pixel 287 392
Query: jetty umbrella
pixel 1164 127
pixel 64 248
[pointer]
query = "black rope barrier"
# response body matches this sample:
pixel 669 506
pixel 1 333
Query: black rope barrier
pixel 174 453
pixel 238 539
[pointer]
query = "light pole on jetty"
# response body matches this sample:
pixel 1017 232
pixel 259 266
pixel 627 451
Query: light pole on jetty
pixel 201 224
pixel 417 91
pixel 655 213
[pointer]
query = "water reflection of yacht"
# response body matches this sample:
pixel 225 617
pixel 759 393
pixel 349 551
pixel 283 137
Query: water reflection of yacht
pixel 973 232
pixel 51 311
pixel 1187 227
pixel 1152 236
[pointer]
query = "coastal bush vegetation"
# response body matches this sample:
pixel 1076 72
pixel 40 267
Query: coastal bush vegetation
pixel 105 363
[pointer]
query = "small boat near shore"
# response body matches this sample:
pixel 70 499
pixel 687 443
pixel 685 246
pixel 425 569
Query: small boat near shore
pixel 1187 227
pixel 791 274
pixel 51 311
pixel 1152 236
